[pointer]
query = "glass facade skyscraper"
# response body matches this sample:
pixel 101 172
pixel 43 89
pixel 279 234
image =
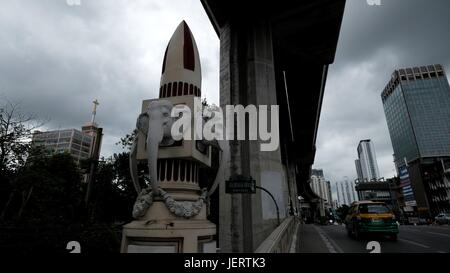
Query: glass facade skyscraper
pixel 417 107
pixel 366 164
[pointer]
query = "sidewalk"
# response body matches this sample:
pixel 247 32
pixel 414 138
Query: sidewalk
pixel 310 241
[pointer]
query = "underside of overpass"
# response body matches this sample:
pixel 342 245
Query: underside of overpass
pixel 305 36
pixel 273 53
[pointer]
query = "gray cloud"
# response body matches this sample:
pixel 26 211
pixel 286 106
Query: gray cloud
pixel 374 42
pixel 57 58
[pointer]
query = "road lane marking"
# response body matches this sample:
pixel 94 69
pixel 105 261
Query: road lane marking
pixel 440 227
pixel 441 252
pixel 335 244
pixel 441 234
pixel 411 229
pixel 413 243
pixel 329 243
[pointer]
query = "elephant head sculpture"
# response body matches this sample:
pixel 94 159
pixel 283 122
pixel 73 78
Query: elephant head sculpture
pixel 155 125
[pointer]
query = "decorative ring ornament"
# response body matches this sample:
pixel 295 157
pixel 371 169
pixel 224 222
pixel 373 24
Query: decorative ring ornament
pixel 183 209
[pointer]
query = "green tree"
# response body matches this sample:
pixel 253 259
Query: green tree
pixel 45 210
pixel 113 196
pixel 15 142
pixel 113 193
pixel 342 211
pixel 15 134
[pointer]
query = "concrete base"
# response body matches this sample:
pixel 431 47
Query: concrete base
pixel 162 232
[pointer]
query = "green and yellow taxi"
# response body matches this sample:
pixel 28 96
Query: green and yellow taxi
pixel 367 217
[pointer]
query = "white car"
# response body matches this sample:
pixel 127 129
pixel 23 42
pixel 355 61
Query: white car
pixel 443 218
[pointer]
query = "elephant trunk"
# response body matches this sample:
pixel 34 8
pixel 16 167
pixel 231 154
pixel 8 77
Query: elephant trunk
pixel 154 137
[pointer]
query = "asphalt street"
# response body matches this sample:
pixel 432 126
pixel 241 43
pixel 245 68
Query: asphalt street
pixel 411 239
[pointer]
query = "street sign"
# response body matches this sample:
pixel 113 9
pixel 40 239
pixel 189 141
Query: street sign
pixel 240 184
pixel 411 203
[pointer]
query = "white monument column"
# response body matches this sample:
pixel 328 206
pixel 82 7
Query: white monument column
pixel 171 214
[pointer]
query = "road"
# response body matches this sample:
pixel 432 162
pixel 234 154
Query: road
pixel 411 239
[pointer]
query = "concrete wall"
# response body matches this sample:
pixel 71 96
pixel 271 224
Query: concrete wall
pixel 282 239
pixel 247 76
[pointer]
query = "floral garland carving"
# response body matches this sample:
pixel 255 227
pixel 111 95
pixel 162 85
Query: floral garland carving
pixel 185 209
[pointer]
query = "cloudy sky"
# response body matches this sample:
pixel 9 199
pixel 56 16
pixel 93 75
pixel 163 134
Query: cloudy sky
pixel 56 58
pixel 374 41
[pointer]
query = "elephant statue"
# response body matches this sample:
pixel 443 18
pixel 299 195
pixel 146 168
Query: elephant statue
pixel 155 125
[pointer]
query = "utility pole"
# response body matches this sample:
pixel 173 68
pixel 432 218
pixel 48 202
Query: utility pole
pixel 95 151
pixel 343 194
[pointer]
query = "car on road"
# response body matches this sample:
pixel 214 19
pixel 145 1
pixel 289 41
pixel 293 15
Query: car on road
pixel 367 217
pixel 443 218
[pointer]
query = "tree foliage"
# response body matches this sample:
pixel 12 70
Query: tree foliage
pixel 42 194
pixel 113 195
pixel 47 208
pixel 45 203
pixel 15 133
pixel 342 211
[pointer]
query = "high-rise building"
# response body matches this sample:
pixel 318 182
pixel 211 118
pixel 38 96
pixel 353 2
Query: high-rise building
pixel 338 195
pixel 366 164
pixel 346 194
pixel 323 189
pixel 329 193
pixel 353 190
pixel 317 173
pixel 417 107
pixel 359 170
pixel 344 200
pixel 84 144
pixel 80 144
pixel 347 191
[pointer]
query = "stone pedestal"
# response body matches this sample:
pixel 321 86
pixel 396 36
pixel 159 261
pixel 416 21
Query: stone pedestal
pixel 159 231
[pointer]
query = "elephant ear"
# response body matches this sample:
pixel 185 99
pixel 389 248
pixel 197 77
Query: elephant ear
pixel 167 142
pixel 142 125
pixel 167 136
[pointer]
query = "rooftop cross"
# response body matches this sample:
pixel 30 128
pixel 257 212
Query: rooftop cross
pixel 94 111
